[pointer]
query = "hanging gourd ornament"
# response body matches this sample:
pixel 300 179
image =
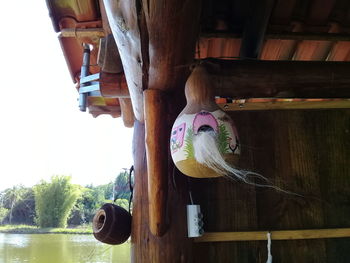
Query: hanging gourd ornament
pixel 204 141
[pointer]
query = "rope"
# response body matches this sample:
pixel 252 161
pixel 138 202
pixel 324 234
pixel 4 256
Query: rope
pixel 269 255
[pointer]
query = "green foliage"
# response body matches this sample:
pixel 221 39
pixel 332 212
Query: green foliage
pixel 123 203
pixel 19 200
pixel 50 204
pixel 91 200
pixel 189 143
pixel 223 139
pixel 28 229
pixel 54 201
pixel 121 186
pixel 3 213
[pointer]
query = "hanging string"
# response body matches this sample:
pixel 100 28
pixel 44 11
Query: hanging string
pixel 269 255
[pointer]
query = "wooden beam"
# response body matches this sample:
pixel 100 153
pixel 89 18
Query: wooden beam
pixel 254 30
pixel 123 20
pixel 275 235
pixel 284 104
pixel 82 32
pixel 284 36
pixel 113 85
pixel 287 79
pixel 127 112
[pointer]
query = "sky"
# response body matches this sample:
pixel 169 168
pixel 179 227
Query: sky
pixel 42 131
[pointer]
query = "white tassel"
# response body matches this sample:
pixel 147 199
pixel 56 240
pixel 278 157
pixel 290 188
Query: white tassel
pixel 269 255
pixel 206 152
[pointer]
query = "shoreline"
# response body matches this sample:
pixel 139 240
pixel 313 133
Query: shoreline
pixel 28 229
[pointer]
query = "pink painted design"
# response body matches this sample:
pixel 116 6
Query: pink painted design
pixel 177 137
pixel 204 118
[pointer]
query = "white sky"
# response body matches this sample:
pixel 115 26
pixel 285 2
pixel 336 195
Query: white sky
pixel 42 131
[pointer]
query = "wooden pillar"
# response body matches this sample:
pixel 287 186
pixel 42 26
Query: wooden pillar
pixel 157 158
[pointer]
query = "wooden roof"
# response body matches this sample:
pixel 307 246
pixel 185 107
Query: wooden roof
pixel 295 30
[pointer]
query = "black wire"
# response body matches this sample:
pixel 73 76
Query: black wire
pixel 131 170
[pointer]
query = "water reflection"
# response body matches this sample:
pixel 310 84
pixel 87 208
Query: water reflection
pixel 59 248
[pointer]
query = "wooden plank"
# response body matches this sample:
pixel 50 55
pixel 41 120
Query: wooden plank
pixel 298 79
pixel 275 235
pixel 157 162
pixel 284 104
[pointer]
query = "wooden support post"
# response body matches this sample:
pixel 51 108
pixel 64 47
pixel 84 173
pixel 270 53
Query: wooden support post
pixel 157 159
pixel 275 235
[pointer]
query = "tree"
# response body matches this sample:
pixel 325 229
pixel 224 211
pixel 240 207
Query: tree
pixel 55 200
pixel 19 202
pixel 121 186
pixel 123 203
pixel 85 208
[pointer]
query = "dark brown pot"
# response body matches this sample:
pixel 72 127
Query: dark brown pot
pixel 111 224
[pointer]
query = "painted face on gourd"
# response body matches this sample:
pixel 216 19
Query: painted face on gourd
pixel 202 130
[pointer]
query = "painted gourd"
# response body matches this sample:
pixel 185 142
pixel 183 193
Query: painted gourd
pixel 202 115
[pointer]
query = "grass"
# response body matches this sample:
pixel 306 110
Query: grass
pixel 27 229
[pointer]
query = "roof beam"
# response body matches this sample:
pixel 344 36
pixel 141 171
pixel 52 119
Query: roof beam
pixel 288 79
pixel 255 28
pixel 285 36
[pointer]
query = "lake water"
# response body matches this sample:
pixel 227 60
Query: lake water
pixel 59 248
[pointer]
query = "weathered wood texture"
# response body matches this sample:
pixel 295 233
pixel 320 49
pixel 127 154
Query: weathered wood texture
pixel 113 85
pixel 127 112
pixel 298 79
pixel 173 246
pixel 123 21
pixel 285 104
pixel 155 52
pixel 156 136
pixel 307 152
pixel 173 27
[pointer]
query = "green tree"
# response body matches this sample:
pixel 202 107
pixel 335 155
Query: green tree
pixel 3 214
pixel 12 199
pixel 54 201
pixel 85 208
pixel 123 203
pixel 121 186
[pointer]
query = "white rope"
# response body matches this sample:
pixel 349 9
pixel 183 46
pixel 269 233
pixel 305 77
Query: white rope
pixel 269 255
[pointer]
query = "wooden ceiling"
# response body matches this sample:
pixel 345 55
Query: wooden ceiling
pixel 300 30
pixel 278 30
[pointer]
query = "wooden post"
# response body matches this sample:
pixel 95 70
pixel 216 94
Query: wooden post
pixel 157 159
